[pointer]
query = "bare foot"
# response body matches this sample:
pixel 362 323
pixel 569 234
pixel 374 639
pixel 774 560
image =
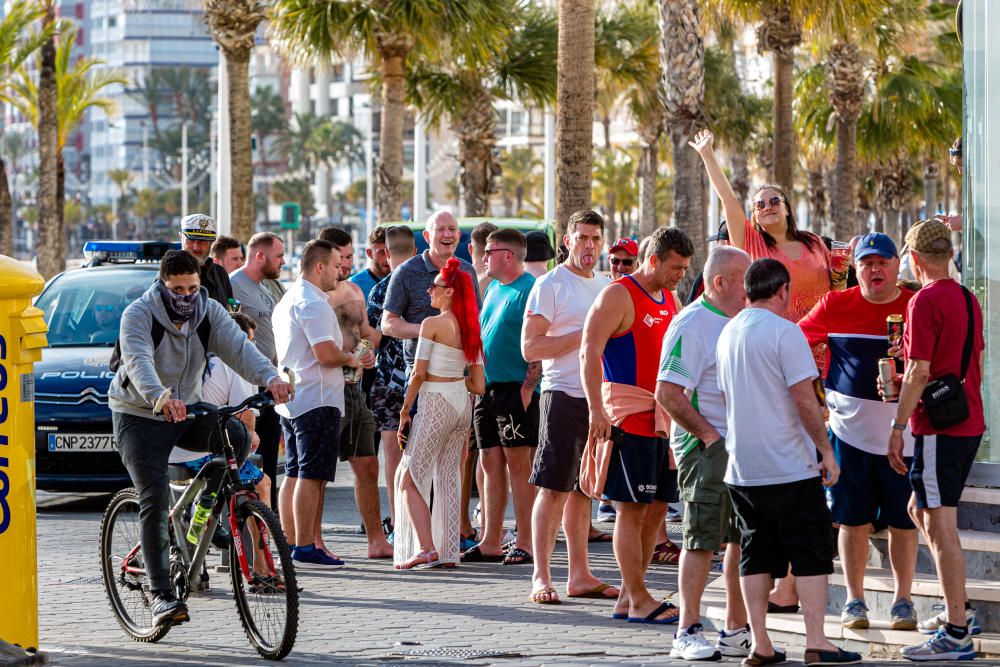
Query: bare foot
pixel 668 613
pixel 591 587
pixel 428 557
pixel 544 595
pixel 383 550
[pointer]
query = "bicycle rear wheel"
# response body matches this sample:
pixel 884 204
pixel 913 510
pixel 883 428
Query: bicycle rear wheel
pixel 268 601
pixel 127 587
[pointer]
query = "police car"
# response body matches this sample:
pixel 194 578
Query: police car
pixel 74 446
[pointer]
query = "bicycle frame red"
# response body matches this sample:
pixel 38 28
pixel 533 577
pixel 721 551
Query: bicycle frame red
pixel 238 538
pixel 128 559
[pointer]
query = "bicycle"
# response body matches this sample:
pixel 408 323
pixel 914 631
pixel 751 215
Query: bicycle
pixel 263 577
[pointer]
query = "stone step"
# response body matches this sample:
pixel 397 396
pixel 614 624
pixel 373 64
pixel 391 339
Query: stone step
pixel 980 510
pixel 982 554
pixel 877 642
pixel 879 596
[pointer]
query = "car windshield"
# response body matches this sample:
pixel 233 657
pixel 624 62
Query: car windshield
pixel 84 308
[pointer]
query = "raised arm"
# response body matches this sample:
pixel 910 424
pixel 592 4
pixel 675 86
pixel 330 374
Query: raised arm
pixel 731 204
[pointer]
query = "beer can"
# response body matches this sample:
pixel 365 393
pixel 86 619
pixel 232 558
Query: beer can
pixel 894 329
pixel 352 374
pixel 887 373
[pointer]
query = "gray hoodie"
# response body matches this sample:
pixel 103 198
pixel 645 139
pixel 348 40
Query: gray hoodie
pixel 178 361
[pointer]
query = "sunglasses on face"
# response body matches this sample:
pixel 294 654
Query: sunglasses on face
pixel 955 152
pixel 489 251
pixel 103 308
pixel 436 284
pixel 761 204
pixel 615 261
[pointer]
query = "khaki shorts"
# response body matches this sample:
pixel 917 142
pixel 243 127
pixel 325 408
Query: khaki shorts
pixel 708 511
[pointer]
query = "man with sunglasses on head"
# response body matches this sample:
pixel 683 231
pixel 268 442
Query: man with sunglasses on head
pixel 622 257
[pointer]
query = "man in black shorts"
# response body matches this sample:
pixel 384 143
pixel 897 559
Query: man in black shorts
pixel 774 430
pixel 621 346
pixel 506 416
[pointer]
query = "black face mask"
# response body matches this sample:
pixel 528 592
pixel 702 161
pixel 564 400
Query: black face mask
pixel 180 307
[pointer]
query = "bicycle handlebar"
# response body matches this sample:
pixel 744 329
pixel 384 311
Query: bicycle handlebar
pixel 261 400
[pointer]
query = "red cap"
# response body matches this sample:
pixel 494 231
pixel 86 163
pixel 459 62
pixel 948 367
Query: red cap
pixel 626 244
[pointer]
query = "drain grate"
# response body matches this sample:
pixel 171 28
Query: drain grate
pixel 458 653
pixel 82 580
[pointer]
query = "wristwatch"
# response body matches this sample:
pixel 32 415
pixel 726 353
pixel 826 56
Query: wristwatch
pixel 897 426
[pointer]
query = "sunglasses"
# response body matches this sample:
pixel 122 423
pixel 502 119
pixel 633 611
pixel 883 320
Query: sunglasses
pixel 615 261
pixel 100 308
pixel 436 284
pixel 761 204
pixel 489 251
pixel 955 152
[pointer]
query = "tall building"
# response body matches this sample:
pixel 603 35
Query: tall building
pixel 136 38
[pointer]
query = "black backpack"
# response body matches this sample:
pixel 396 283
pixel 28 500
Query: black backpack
pixel 204 332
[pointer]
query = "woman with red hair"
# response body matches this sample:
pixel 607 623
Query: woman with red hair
pixel 449 344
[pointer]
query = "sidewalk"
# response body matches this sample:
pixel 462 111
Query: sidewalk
pixel 474 615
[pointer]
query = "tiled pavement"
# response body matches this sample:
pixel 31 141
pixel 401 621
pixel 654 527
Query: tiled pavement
pixel 366 614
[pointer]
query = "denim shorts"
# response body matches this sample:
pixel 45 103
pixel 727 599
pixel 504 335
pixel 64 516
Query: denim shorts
pixel 312 442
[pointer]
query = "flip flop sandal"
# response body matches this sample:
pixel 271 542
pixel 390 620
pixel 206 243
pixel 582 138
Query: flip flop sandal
pixel 757 660
pixel 782 608
pixel 597 593
pixel 534 597
pixel 600 537
pixel 652 619
pixel 616 616
pixel 476 555
pixel 517 557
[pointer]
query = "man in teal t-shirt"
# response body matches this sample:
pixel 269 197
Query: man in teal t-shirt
pixel 506 416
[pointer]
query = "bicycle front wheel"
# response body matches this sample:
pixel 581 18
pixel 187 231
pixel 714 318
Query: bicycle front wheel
pixel 124 569
pixel 267 598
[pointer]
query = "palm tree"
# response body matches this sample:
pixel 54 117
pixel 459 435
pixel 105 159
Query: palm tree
pixel 233 24
pixel 682 88
pixel 519 178
pixel 385 33
pixel 268 119
pixel 464 91
pixel 17 44
pixel 297 143
pixel 333 144
pixel 574 109
pixel 121 178
pixel 150 94
pixel 78 89
pixel 51 235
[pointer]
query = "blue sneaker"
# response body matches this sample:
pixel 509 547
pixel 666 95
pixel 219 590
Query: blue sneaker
pixel 941 646
pixel 311 557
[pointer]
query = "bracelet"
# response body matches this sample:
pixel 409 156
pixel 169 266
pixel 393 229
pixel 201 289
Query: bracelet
pixel 897 426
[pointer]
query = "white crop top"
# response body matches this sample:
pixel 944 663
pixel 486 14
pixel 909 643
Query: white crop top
pixel 443 360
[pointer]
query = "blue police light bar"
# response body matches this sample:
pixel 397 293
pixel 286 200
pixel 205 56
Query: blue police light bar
pixel 126 251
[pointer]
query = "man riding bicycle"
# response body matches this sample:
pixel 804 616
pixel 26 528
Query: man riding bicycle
pixel 165 338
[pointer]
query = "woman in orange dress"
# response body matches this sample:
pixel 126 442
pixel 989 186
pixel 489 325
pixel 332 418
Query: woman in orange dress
pixel 771 232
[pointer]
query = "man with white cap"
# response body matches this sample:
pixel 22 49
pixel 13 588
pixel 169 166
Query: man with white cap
pixel 198 232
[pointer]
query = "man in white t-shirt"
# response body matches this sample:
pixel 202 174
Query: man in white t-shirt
pixel 307 339
pixel 774 430
pixel 687 387
pixel 552 333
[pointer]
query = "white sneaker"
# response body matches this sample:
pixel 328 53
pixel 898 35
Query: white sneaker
pixel 735 644
pixel 691 644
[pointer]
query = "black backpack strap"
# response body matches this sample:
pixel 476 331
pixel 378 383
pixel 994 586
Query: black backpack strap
pixel 204 333
pixel 156 332
pixel 969 336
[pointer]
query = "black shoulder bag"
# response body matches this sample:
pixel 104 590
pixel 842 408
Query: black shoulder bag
pixel 944 398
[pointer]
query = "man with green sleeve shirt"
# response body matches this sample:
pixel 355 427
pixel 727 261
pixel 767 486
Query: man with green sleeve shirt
pixel 506 416
pixel 688 390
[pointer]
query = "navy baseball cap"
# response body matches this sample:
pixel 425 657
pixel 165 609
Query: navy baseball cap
pixel 875 244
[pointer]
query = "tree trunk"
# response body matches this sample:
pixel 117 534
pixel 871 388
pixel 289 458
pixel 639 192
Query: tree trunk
pixel 240 146
pixel 61 198
pixel 931 173
pixel 647 188
pixel 51 244
pixel 816 187
pixel 476 131
pixel 574 109
pixel 613 232
pixel 784 132
pixel 606 125
pixel 689 202
pixel 6 214
pixel 845 182
pixel 388 195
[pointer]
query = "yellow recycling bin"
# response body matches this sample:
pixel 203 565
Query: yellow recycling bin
pixel 22 337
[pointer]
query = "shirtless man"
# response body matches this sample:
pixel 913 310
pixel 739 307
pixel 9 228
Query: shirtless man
pixel 357 432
